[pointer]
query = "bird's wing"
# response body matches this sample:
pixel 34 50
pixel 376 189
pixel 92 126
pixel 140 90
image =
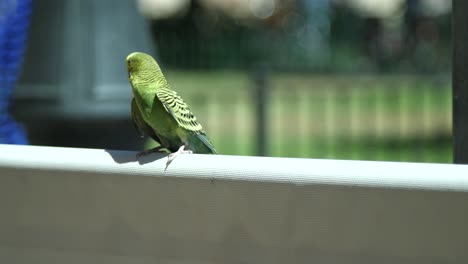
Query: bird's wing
pixel 140 125
pixel 204 138
pixel 180 111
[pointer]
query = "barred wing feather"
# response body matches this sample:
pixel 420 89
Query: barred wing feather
pixel 179 110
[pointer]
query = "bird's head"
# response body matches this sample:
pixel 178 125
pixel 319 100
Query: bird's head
pixel 141 67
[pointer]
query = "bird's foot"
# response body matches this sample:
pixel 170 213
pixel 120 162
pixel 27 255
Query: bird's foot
pixel 157 149
pixel 174 155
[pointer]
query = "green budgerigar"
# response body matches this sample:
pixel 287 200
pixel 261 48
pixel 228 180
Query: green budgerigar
pixel 159 112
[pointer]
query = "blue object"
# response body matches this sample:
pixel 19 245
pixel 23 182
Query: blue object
pixel 14 23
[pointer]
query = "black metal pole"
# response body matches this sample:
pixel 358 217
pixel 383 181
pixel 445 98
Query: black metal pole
pixel 460 80
pixel 261 100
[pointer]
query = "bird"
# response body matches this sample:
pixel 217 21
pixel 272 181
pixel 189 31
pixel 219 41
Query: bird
pixel 160 113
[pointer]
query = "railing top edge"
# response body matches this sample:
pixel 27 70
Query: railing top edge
pixel 238 168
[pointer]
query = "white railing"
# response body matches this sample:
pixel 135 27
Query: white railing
pixel 98 206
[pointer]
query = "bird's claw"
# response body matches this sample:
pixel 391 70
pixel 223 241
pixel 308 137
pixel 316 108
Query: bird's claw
pixel 149 151
pixel 174 155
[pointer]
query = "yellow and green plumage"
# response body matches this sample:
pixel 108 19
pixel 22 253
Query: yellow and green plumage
pixel 159 112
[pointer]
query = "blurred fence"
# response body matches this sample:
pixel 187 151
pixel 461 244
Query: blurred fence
pixel 399 118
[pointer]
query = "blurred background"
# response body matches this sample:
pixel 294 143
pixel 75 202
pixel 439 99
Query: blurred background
pixel 341 79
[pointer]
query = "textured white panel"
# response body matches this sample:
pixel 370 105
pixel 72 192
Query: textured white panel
pixel 98 206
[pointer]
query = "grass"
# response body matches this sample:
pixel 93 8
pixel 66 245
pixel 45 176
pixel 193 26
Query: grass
pixel 396 118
